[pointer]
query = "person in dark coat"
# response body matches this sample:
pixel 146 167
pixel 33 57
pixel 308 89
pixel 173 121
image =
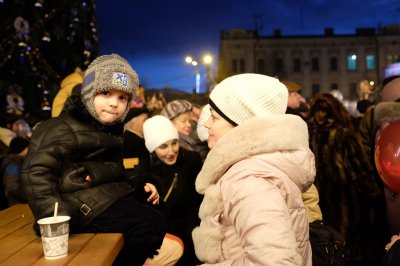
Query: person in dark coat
pixel 11 168
pixel 392 256
pixel 133 141
pixel 75 159
pixel 176 169
pixel 344 177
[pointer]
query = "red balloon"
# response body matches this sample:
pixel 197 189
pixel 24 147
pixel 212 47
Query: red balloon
pixel 387 156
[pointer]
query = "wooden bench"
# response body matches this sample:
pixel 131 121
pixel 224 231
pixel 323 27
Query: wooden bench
pixel 20 246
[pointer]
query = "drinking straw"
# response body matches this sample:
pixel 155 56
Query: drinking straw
pixel 55 210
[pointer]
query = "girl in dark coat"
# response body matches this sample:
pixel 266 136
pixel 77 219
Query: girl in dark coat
pixel 176 169
pixel 76 160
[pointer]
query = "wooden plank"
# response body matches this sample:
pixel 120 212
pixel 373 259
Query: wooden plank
pixel 13 243
pixel 16 224
pixel 14 212
pixel 101 250
pixel 26 256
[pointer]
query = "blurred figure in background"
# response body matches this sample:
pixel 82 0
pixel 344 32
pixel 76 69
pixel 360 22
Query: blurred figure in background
pixel 371 125
pixel 179 112
pixel 202 132
pixel 133 141
pixel 344 175
pixel 296 102
pixel 71 84
pixel 11 168
pixel 392 256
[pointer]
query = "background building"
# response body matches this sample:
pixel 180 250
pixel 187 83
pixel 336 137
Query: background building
pixel 320 63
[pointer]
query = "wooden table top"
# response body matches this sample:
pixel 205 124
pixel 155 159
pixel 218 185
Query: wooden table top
pixel 20 246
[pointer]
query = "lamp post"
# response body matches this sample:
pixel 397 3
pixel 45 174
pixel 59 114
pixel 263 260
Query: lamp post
pixel 194 63
pixel 207 60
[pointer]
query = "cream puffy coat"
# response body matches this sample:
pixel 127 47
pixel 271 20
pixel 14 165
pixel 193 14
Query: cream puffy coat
pixel 252 212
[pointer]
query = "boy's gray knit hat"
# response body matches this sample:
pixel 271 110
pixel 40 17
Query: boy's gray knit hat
pixel 108 72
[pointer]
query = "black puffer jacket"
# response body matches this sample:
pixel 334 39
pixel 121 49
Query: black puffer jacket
pixel 63 152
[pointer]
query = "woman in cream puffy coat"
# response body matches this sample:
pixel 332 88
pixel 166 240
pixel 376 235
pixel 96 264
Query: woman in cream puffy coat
pixel 253 177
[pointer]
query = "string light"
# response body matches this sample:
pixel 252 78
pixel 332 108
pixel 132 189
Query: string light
pixel 19 49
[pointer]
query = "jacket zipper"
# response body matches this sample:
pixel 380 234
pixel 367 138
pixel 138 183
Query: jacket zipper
pixel 171 187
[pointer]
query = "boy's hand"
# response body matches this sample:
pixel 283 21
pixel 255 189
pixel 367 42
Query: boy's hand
pixel 154 197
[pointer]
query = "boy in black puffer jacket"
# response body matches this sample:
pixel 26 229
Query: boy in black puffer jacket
pixel 76 160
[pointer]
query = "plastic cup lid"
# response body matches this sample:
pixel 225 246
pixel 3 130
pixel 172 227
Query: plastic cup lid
pixel 54 220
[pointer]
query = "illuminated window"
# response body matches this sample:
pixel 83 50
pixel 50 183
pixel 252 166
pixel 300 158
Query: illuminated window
pixel 351 62
pixel 370 61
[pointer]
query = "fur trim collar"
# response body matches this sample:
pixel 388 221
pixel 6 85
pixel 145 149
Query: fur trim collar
pixel 387 112
pixel 255 136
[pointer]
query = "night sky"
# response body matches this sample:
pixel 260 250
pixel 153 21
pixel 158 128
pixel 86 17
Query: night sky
pixel 155 36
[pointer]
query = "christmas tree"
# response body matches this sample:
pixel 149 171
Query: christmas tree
pixel 41 43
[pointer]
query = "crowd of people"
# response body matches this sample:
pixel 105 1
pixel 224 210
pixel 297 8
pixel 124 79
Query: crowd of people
pixel 234 182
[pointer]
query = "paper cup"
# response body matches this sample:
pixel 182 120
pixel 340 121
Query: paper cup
pixel 54 232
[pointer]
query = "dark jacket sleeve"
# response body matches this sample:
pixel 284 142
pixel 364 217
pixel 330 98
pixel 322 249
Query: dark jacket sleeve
pixel 392 257
pixel 41 174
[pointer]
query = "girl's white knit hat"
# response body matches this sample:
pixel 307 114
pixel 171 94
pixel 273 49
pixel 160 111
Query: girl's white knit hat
pixel 157 130
pixel 241 97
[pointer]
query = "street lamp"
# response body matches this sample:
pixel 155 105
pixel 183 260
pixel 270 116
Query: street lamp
pixel 207 60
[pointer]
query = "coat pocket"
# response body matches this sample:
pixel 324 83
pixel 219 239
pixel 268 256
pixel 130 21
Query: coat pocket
pixel 74 179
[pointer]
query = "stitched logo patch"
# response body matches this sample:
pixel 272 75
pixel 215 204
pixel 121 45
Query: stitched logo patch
pixel 120 79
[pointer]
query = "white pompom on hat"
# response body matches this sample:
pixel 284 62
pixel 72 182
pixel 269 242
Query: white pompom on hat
pixel 157 130
pixel 241 97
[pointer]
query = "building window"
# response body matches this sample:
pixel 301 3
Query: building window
pixel 238 66
pixel 334 86
pixel 278 65
pixel 241 66
pixel 235 66
pixel 296 65
pixel 315 88
pixel 353 90
pixel 261 66
pixel 370 62
pixel 333 64
pixel 351 62
pixel 314 64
